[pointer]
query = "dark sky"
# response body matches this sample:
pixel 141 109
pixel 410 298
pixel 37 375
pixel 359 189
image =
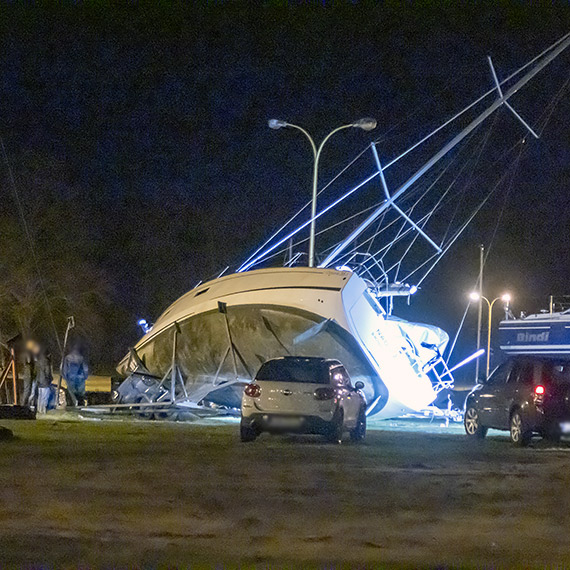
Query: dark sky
pixel 156 117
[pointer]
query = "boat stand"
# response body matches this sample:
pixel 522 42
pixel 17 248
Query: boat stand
pixel 11 366
pixel 173 373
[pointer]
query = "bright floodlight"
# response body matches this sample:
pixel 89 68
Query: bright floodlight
pixel 474 296
pixel 506 298
pixel 366 124
pixel 276 124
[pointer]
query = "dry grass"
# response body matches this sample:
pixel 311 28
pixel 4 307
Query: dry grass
pixel 134 493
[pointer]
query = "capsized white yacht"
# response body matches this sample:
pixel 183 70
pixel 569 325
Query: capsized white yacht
pixel 229 326
pixel 214 338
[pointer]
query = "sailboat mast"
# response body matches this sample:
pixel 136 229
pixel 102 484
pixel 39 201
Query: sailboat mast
pixel 449 146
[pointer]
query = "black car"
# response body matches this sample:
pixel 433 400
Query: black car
pixel 525 395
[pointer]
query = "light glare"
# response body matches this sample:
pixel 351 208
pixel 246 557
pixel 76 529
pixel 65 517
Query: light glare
pixel 276 124
pixel 366 124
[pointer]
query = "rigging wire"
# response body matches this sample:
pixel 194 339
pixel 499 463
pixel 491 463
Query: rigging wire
pixel 544 118
pixel 394 221
pixel 552 105
pixel 457 333
pixel 425 218
pixel 474 103
pixel 424 139
pixel 30 241
pixel 502 210
pixel 307 204
pixel 457 234
pixel 470 178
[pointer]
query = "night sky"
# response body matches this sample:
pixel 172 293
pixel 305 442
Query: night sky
pixel 139 143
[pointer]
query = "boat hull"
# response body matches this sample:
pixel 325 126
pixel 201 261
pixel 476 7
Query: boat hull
pixel 537 334
pixel 228 327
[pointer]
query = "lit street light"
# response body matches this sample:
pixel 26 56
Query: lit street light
pixel 506 298
pixel 365 124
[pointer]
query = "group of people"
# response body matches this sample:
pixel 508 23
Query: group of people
pixel 38 390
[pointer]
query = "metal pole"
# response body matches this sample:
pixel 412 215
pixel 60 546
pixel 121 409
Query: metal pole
pixel 14 375
pixel 70 325
pixel 223 308
pixel 480 308
pixel 489 334
pixel 174 368
pixel 315 193
pixel 335 203
pixel 314 209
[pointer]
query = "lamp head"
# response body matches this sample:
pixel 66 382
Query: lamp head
pixel 276 124
pixel 366 124
pixel 474 296
pixel 506 298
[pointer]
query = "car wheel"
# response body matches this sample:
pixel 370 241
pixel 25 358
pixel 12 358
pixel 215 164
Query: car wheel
pixel 170 414
pixel 359 432
pixel 336 427
pixel 472 424
pixel 520 434
pixel 247 432
pixel 144 412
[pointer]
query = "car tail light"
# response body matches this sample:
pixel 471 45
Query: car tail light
pixel 253 390
pixel 325 393
pixel 539 392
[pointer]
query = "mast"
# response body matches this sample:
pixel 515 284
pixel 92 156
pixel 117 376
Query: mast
pixel 502 100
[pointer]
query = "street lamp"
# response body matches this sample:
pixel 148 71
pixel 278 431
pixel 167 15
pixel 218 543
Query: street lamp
pixel 366 124
pixel 506 298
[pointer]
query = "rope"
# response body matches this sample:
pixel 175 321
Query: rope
pixel 30 241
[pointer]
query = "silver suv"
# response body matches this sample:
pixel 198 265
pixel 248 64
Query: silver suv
pixel 303 395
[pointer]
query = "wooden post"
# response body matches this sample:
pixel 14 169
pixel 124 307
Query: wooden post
pixel 14 375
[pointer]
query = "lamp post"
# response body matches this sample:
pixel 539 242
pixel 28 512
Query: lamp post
pixel 475 296
pixel 366 124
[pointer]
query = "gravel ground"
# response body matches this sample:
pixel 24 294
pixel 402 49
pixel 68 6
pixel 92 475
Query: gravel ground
pixel 132 493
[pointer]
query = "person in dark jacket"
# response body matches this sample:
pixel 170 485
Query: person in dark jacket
pixel 75 371
pixel 44 378
pixel 30 387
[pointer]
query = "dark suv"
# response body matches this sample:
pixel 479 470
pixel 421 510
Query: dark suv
pixel 525 395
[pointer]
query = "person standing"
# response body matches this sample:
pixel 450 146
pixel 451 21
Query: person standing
pixel 75 371
pixel 44 378
pixel 30 388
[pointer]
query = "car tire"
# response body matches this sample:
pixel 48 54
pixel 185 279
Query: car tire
pixel 144 412
pixel 359 432
pixel 472 424
pixel 520 434
pixel 336 428
pixel 247 432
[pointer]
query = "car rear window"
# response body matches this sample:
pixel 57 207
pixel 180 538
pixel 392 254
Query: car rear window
pixel 294 370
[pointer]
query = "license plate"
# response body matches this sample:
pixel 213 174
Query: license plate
pixel 285 422
pixel 565 427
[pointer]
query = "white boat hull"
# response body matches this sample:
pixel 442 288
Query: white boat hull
pixel 297 311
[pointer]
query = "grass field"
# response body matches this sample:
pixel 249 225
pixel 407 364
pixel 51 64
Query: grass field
pixel 111 493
